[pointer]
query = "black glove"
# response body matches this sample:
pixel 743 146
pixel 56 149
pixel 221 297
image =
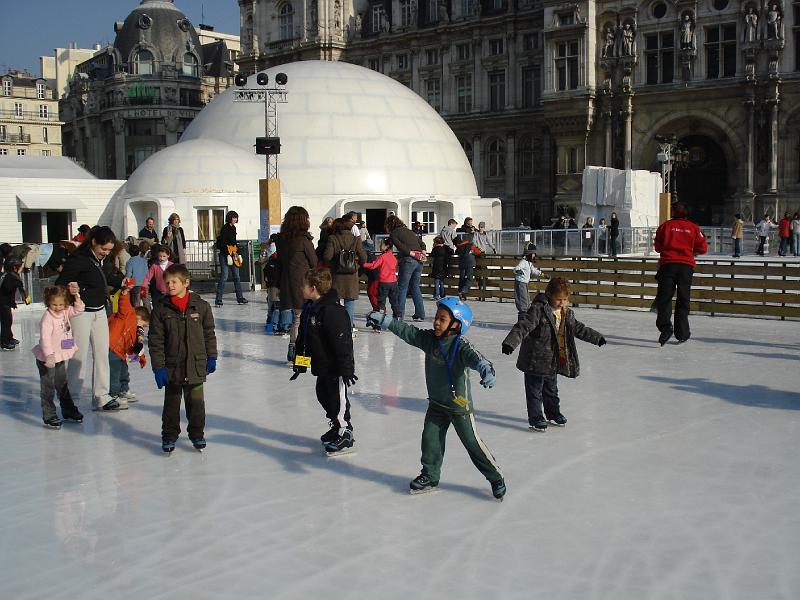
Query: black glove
pixel 349 380
pixel 602 342
pixel 507 349
pixel 297 372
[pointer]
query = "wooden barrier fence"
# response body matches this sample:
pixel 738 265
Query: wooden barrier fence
pixel 719 287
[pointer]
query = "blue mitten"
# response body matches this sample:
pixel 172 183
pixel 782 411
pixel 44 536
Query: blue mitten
pixel 161 376
pixel 486 370
pixel 378 319
pixel 211 365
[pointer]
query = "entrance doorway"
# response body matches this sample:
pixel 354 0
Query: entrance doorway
pixel 703 183
pixel 31 227
pixel 57 226
pixel 376 217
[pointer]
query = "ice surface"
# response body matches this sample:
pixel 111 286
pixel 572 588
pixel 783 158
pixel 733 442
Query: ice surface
pixel 676 477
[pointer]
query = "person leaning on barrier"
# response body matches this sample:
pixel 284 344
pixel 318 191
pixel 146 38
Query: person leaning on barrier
pixel 174 239
pixel 737 234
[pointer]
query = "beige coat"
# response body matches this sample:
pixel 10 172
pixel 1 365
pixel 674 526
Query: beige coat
pixel 737 231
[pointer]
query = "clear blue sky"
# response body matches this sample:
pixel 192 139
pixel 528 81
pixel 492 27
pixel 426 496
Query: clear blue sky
pixel 41 25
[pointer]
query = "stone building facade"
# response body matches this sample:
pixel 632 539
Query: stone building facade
pixel 537 89
pixel 137 96
pixel 29 121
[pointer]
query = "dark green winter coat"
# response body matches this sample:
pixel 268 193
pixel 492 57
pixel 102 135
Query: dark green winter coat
pixel 539 337
pixel 182 342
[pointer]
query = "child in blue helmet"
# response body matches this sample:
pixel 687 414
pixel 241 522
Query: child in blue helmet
pixel 447 357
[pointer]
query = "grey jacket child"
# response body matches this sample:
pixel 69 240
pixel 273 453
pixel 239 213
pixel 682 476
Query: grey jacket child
pixel 537 333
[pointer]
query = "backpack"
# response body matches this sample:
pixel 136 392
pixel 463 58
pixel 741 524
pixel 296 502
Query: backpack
pixel 272 271
pixel 347 262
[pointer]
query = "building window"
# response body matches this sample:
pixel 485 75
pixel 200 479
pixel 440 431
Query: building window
pixel 45 135
pixel 406 16
pixel 572 160
pixel 498 4
pixel 143 63
pixel 497 90
pixel 46 153
pixel 209 222
pixel 530 41
pixel 374 64
pixel 402 62
pixel 467 147
pixel 496 47
pixel 40 91
pixel 463 52
pixel 286 22
pixel 426 217
pixel 721 51
pixel 531 86
pixel 467 7
pixel 660 57
pixel 464 92
pixel 19 111
pixel 433 93
pixel 526 157
pixel 43 111
pixel 496 155
pixel 433 11
pixel 567 66
pixel 432 56
pixel 3 133
pixel 566 19
pixel 3 151
pixel 190 66
pixel 7 87
pixel 20 151
pixel 375 22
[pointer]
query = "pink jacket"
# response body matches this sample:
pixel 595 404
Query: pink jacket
pixel 156 273
pixel 53 330
pixel 386 264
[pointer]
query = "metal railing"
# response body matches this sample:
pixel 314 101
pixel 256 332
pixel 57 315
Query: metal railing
pixel 16 138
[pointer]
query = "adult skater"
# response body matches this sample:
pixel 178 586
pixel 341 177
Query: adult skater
pixel 344 253
pixel 678 241
pixel 448 357
pixel 410 257
pixel 228 258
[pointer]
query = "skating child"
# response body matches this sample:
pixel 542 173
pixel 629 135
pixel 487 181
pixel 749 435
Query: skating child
pixel 439 256
pixel 547 333
pixel 56 346
pixel 182 328
pixel 325 345
pixel 523 272
pixel 10 284
pixel 386 265
pixel 447 357
pixel 153 282
pixel 279 321
pixel 137 268
pixel 126 330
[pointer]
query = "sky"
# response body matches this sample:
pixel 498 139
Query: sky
pixel 42 25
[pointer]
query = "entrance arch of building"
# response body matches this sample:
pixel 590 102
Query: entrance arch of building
pixel 373 212
pixel 137 210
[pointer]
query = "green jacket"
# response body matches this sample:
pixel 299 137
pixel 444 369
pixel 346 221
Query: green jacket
pixel 182 342
pixel 435 369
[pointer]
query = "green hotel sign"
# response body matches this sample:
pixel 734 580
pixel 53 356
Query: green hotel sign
pixel 142 91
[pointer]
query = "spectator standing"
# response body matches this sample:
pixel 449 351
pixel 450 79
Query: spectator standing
pixel 410 259
pixel 296 254
pixel 796 234
pixel 325 230
pixel 602 240
pixel 467 230
pixel 737 234
pixel 228 256
pixel 784 232
pixel 678 241
pixel 148 232
pixel 481 240
pixel 344 253
pixel 466 265
pixel 439 257
pixel 613 233
pixel 763 229
pixel 587 235
pixel 83 232
pixel 448 232
pixel 174 239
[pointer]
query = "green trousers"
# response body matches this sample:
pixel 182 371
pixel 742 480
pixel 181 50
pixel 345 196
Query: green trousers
pixel 434 433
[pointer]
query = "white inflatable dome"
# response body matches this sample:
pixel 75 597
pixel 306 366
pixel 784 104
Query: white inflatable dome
pixel 197 167
pixel 345 130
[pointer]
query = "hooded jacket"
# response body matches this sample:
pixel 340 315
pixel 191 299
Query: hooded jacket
pixel 53 329
pixel 537 333
pixel 326 337
pixel 122 328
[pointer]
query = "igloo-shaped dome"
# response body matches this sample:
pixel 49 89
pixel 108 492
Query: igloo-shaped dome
pixel 204 166
pixel 346 130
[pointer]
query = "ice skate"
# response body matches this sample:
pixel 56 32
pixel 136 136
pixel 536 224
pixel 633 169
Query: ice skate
pixel 129 396
pixel 539 425
pixel 558 420
pixel 53 423
pixel 422 484
pixel 290 354
pixel 342 445
pixel 329 435
pixel 199 444
pixel 74 417
pixel 499 489
pixel 167 446
pixel 664 337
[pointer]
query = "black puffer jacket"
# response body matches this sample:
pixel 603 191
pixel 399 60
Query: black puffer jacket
pixel 539 337
pixel 94 277
pixel 182 342
pixel 326 337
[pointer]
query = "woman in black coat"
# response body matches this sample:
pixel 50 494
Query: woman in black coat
pixel 226 241
pixel 613 233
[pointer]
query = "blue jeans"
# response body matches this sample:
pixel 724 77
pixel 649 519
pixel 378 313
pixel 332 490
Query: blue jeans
pixel 737 247
pixel 350 306
pixel 438 289
pixel 465 278
pixel 120 376
pixel 541 394
pixel 783 247
pixel 796 238
pixel 408 277
pixel 223 278
pixel 281 320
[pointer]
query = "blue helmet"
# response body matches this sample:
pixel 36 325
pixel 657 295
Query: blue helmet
pixel 460 311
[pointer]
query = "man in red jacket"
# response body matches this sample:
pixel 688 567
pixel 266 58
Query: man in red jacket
pixel 678 241
pixel 784 232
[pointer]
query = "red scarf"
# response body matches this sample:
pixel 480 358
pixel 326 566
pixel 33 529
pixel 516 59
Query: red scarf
pixel 181 303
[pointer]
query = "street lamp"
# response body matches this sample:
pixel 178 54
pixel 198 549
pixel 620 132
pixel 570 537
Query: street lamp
pixel 671 155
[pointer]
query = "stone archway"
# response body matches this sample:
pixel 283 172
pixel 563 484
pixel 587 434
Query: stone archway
pixel 702 184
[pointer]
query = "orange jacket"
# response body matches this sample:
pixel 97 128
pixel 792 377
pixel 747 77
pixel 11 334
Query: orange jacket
pixel 122 328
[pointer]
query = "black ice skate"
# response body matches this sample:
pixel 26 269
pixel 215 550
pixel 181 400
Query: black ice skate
pixel 342 445
pixel 73 417
pixel 329 435
pixel 167 446
pixel 664 337
pixel 559 420
pixel 53 423
pixel 539 425
pixel 422 484
pixel 199 444
pixel 499 489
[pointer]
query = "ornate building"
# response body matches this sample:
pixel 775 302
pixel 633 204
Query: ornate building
pixel 136 97
pixel 535 90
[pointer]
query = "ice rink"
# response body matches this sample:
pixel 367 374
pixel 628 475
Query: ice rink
pixel 677 477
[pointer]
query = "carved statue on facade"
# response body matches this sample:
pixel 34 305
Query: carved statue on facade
pixel 628 41
pixel 359 25
pixel 413 19
pixel 750 25
pixel 477 8
pixel 687 32
pixel 443 18
pixel 337 17
pixel 773 23
pixel 608 46
pixel 386 23
pixel 312 16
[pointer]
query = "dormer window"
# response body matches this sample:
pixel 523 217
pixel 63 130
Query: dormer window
pixel 143 63
pixel 7 87
pixel 566 19
pixel 190 66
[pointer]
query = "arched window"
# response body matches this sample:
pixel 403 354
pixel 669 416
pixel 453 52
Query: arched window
pixel 286 21
pixel 190 68
pixel 143 63
pixel 496 155
pixel 526 157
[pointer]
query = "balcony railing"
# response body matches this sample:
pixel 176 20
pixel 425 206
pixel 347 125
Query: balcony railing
pixel 15 138
pixel 28 115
